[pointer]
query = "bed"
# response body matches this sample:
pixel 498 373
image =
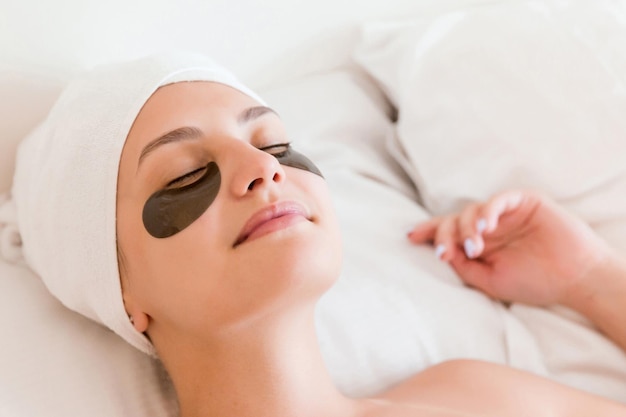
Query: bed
pixel 411 108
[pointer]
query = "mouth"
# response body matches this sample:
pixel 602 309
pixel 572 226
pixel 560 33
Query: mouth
pixel 270 219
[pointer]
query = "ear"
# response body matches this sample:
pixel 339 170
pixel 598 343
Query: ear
pixel 138 318
pixel 140 321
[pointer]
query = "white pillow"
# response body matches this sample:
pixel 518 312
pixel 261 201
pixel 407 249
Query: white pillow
pixel 56 363
pixel 26 98
pixel 518 94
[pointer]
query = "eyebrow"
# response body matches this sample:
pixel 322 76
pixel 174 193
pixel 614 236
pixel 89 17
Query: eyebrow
pixel 176 135
pixel 253 113
pixel 192 133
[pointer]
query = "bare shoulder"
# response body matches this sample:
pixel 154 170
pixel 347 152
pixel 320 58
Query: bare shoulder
pixel 486 389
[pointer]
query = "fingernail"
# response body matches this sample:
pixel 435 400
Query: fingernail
pixel 470 247
pixel 440 250
pixel 481 225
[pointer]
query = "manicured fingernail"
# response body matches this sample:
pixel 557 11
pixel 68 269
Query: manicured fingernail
pixel 481 225
pixel 440 250
pixel 470 247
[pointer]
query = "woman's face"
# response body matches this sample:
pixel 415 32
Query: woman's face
pixel 269 239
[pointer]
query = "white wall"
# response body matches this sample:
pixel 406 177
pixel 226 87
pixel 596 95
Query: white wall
pixel 43 43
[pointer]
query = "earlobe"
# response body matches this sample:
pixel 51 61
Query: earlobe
pixel 140 321
pixel 136 316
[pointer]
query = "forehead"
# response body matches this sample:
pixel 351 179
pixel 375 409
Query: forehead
pixel 187 104
pixel 192 98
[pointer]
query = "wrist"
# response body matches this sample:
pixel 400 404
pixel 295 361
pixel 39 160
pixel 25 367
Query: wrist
pixel 600 293
pixel 605 275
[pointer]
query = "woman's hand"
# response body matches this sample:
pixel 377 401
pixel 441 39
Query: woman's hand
pixel 519 246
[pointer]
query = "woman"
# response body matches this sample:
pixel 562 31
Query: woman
pixel 226 239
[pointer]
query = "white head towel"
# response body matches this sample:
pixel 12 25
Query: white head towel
pixel 66 178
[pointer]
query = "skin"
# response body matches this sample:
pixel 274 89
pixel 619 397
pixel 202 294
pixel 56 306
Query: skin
pixel 234 324
pixel 528 235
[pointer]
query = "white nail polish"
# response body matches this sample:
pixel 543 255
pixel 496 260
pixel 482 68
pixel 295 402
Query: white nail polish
pixel 481 225
pixel 440 250
pixel 470 247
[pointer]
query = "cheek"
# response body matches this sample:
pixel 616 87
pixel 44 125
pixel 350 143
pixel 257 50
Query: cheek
pixel 186 279
pixel 154 268
pixel 172 264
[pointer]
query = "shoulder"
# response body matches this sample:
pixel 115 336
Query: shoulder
pixel 456 377
pixel 491 389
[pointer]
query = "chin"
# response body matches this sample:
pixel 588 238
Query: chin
pixel 309 260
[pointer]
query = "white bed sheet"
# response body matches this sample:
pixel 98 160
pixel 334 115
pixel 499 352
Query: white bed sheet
pixel 541 105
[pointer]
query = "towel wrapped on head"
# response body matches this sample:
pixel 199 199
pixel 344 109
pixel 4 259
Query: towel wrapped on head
pixel 66 180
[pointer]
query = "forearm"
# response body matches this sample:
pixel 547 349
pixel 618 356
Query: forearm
pixel 602 299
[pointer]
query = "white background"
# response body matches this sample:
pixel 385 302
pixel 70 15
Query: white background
pixel 44 43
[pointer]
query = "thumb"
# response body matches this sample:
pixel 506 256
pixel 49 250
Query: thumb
pixel 474 273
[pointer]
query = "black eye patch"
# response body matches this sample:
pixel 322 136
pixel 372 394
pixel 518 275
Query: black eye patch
pixel 171 210
pixel 295 159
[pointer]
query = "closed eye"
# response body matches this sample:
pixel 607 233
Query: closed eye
pixel 279 150
pixel 187 179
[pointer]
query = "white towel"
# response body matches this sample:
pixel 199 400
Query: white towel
pixel 66 178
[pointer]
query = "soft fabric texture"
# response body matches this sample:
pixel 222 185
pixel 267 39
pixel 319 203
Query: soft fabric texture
pixel 395 310
pixel 66 178
pixel 519 94
pixel 57 363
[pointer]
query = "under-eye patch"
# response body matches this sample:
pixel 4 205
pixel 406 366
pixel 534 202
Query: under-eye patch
pixel 294 159
pixel 171 210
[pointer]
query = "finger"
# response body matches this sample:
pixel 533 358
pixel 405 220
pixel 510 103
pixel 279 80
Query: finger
pixel 470 229
pixel 474 273
pixel 424 232
pixel 499 205
pixel 446 238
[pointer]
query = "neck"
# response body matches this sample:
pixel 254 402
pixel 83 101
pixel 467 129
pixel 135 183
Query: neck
pixel 273 368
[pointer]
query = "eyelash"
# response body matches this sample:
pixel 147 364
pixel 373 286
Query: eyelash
pixel 285 145
pixel 184 177
pixel 190 174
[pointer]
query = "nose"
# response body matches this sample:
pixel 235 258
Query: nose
pixel 254 171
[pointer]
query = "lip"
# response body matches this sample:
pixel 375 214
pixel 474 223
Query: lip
pixel 274 217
